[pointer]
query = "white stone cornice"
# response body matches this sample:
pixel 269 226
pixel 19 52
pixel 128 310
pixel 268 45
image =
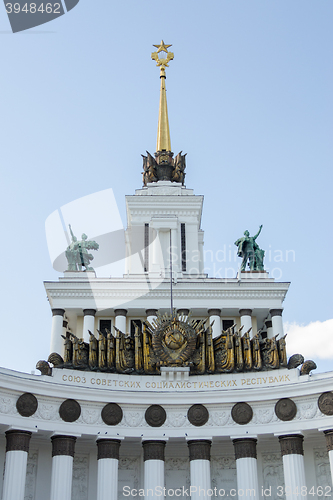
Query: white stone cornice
pixel 190 288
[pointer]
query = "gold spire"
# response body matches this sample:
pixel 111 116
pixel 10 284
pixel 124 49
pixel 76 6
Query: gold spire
pixel 163 132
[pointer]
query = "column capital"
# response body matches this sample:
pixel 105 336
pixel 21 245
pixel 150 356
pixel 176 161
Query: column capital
pixel 63 445
pixel 151 312
pixel 120 312
pixel 214 312
pixel 276 312
pixel 245 312
pixel 245 448
pixel 291 444
pixel 89 312
pixel 58 312
pixel 108 448
pixel 17 440
pixel 268 323
pixel 329 439
pixel 184 312
pixel 199 449
pixel 153 450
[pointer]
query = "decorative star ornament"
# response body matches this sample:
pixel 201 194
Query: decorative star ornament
pixel 162 62
pixel 162 47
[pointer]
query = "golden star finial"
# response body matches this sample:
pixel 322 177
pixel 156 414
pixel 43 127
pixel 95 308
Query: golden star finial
pixel 162 47
pixel 162 61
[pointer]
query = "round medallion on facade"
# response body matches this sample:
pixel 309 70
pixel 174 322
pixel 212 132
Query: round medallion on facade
pixel 325 403
pixel 70 410
pixel 155 415
pixel 27 404
pixel 198 415
pixel 285 409
pixel 112 414
pixel 242 413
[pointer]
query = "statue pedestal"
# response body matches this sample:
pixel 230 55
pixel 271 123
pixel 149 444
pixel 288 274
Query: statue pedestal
pixel 82 275
pixel 175 373
pixel 253 275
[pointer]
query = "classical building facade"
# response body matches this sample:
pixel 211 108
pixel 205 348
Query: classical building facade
pixel 180 384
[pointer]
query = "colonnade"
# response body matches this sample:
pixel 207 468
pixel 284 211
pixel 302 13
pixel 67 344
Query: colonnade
pixel 59 326
pixel 274 326
pixel 63 450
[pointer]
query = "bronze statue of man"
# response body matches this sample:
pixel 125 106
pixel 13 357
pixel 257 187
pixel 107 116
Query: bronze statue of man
pixel 250 252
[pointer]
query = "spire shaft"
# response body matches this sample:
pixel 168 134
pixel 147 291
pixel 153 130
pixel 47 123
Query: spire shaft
pixel 163 132
pixel 162 56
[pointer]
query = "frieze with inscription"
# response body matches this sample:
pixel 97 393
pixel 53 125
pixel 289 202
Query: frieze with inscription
pixel 213 382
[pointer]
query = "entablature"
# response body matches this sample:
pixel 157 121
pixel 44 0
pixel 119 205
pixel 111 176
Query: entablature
pixel 94 390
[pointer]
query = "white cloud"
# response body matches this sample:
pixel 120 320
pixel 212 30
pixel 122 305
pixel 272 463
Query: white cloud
pixel 314 340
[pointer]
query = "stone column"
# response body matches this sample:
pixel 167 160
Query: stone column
pixel 199 450
pixel 17 449
pixel 88 323
pixel 293 466
pixel 246 320
pixel 247 467
pixel 151 315
pixel 269 328
pixel 329 446
pixel 277 323
pixel 57 342
pixel 107 475
pixel 153 456
pixel 215 315
pixel 62 467
pixel 120 321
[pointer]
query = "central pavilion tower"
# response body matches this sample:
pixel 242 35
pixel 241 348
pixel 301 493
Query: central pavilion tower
pixel 164 217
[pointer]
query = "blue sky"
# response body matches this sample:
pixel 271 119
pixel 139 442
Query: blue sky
pixel 250 101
